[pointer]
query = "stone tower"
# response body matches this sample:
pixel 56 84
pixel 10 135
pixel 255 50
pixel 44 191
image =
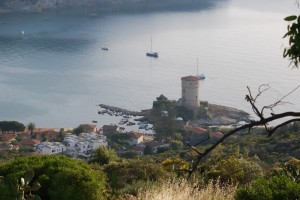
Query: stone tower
pixel 190 92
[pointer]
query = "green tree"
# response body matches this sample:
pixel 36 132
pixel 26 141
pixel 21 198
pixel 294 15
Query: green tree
pixel 276 187
pixel 60 178
pixel 236 170
pixel 78 130
pixel 293 35
pixel 164 114
pixel 148 150
pixel 31 127
pixel 176 145
pixel 178 136
pixel 127 172
pixel 6 126
pixel 104 155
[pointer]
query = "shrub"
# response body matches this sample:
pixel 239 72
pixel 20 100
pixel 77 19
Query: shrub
pixel 277 187
pixel 122 174
pixel 60 178
pixel 236 170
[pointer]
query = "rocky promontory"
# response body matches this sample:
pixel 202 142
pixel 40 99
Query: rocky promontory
pixel 223 115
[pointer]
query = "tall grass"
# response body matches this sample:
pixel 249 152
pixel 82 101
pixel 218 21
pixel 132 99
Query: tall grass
pixel 181 189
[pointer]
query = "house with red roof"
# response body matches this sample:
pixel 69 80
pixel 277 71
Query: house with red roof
pixel 139 149
pixel 23 136
pixel 89 128
pixel 29 143
pixel 216 135
pixel 154 145
pixel 196 134
pixel 8 138
pixel 46 135
pixel 135 138
pixel 109 129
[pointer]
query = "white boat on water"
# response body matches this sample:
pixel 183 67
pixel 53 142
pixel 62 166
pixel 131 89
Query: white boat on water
pixel 151 53
pixel 201 76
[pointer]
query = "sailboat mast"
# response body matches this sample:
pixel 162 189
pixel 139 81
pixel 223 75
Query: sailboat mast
pixel 197 67
pixel 151 44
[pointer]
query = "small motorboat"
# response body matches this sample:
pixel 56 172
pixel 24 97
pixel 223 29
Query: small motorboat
pixel 152 54
pixel 104 48
pixel 201 76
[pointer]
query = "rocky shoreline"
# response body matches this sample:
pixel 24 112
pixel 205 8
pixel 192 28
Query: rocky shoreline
pixel 223 115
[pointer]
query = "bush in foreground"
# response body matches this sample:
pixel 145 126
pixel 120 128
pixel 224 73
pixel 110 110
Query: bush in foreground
pixel 277 187
pixel 60 178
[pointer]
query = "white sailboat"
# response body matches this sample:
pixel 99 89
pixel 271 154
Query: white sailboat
pixel 200 76
pixel 151 53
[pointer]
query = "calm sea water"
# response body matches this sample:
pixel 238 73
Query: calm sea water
pixel 56 73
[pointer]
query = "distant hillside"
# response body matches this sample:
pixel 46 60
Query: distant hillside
pixel 43 5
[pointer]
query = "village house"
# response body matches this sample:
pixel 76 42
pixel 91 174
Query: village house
pixel 139 149
pixel 50 148
pixel 196 134
pixel 46 134
pixel 30 143
pixel 135 138
pixel 88 128
pixel 8 138
pixel 154 145
pixel 109 129
pixel 4 146
pixel 23 136
pixel 83 146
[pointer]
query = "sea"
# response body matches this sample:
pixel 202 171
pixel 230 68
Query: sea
pixel 54 73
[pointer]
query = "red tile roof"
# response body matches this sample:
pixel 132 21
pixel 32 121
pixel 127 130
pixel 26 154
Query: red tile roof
pixel 8 137
pixel 89 126
pixel 23 135
pixel 39 130
pixel 198 130
pixel 135 135
pixel 30 142
pixel 216 135
pixel 190 78
pixel 138 148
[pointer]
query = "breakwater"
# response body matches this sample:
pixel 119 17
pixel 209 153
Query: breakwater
pixel 123 111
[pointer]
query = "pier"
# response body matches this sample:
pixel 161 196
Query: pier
pixel 124 111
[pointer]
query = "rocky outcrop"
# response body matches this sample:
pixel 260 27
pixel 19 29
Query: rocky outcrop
pixel 223 115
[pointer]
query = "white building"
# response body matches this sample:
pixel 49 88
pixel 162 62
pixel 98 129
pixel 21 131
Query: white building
pixel 82 146
pixel 49 148
pixel 136 138
pixel 76 146
pixel 190 92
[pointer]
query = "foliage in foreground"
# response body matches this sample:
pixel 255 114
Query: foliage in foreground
pixel 182 189
pixel 277 187
pixel 60 178
pixel 120 175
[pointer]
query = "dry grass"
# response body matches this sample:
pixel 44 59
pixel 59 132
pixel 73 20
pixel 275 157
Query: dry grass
pixel 184 190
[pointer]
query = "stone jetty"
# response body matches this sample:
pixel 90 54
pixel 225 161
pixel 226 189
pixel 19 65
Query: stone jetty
pixel 123 111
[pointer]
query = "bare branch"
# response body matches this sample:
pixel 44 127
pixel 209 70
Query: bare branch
pixel 272 130
pixel 280 101
pixel 260 122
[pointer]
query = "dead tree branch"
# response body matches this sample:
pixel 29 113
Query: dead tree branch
pixel 263 121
